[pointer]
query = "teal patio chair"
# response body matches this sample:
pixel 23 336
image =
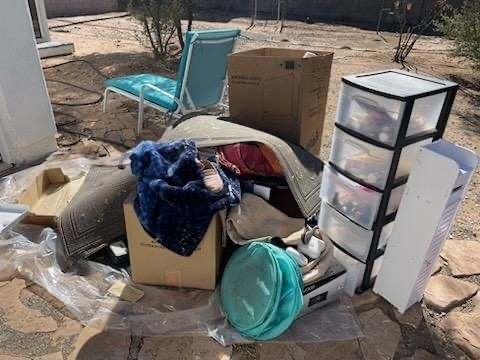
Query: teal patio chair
pixel 200 81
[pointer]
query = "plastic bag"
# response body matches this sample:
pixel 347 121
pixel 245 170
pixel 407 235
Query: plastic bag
pixel 180 312
pixel 32 252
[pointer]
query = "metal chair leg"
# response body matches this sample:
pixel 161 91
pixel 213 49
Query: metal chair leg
pixel 105 99
pixel 140 115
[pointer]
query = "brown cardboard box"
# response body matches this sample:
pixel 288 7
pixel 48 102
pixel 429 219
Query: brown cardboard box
pixel 153 264
pixel 48 196
pixel 281 93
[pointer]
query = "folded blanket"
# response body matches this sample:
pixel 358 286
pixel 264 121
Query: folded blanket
pixel 172 202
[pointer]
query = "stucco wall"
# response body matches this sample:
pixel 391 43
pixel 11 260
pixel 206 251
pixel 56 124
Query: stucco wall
pixel 27 126
pixel 56 8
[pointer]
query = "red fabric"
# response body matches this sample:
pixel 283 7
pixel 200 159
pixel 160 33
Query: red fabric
pixel 247 159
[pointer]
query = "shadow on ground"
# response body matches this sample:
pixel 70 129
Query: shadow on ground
pixel 470 87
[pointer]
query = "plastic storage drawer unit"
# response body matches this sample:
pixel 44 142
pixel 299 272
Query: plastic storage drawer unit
pixel 357 202
pixel 355 270
pixel 379 118
pixel 348 235
pixel 368 162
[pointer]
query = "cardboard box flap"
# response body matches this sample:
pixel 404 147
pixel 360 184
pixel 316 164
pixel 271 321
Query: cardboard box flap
pixel 49 195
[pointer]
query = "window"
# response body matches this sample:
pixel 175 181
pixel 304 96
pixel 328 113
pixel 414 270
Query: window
pixel 39 20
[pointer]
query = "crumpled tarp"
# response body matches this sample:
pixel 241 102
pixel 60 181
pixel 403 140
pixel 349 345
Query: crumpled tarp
pixel 32 252
pixel 302 170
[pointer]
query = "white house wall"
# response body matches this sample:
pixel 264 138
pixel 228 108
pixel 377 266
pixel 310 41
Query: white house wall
pixel 27 124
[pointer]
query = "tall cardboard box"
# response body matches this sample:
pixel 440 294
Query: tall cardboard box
pixel 153 264
pixel 280 92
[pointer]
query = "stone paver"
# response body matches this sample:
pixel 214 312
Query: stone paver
pixel 382 335
pixel 412 317
pixel 443 292
pixel 53 356
pixel 19 317
pixel 365 301
pixel 464 330
pixel 463 257
pixel 207 348
pixel 422 354
pixel 92 344
pixel 339 350
pixel 273 351
pixel 31 327
pixel 437 267
pixel 163 348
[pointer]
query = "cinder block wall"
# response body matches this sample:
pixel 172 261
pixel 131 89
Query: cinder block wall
pixel 349 11
pixel 57 8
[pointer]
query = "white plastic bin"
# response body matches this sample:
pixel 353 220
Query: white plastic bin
pixel 351 237
pixel 355 201
pixel 379 117
pixel 355 270
pixel 369 162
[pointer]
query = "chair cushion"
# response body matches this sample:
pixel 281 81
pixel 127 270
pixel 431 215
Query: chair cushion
pixel 133 83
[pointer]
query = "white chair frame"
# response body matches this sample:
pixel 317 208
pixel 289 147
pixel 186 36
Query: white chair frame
pixel 182 109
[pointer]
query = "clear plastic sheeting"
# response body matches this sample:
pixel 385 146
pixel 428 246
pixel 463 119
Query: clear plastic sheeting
pixel 12 185
pixel 162 311
pixel 35 253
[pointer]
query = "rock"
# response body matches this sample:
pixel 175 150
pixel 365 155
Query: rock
pixel 17 315
pixel 207 348
pixel 476 302
pixel 272 351
pixel 92 344
pixel 445 292
pixel 437 267
pixel 162 348
pixel 382 335
pixel 245 351
pixel 421 354
pixel 463 257
pixel 338 350
pixel 68 327
pixel 464 330
pixel 54 356
pixel 412 317
pixel 365 301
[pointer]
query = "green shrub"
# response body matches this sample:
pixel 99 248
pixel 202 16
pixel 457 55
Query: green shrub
pixel 160 20
pixel 463 26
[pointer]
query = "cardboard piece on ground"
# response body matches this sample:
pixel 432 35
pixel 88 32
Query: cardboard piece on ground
pixel 153 264
pixel 280 92
pixel 325 290
pixel 125 291
pixel 48 196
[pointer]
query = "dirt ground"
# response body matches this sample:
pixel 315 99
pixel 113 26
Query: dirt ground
pixel 109 46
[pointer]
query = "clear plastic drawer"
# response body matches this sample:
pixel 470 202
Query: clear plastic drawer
pixel 369 162
pixel 355 201
pixel 379 117
pixel 351 237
